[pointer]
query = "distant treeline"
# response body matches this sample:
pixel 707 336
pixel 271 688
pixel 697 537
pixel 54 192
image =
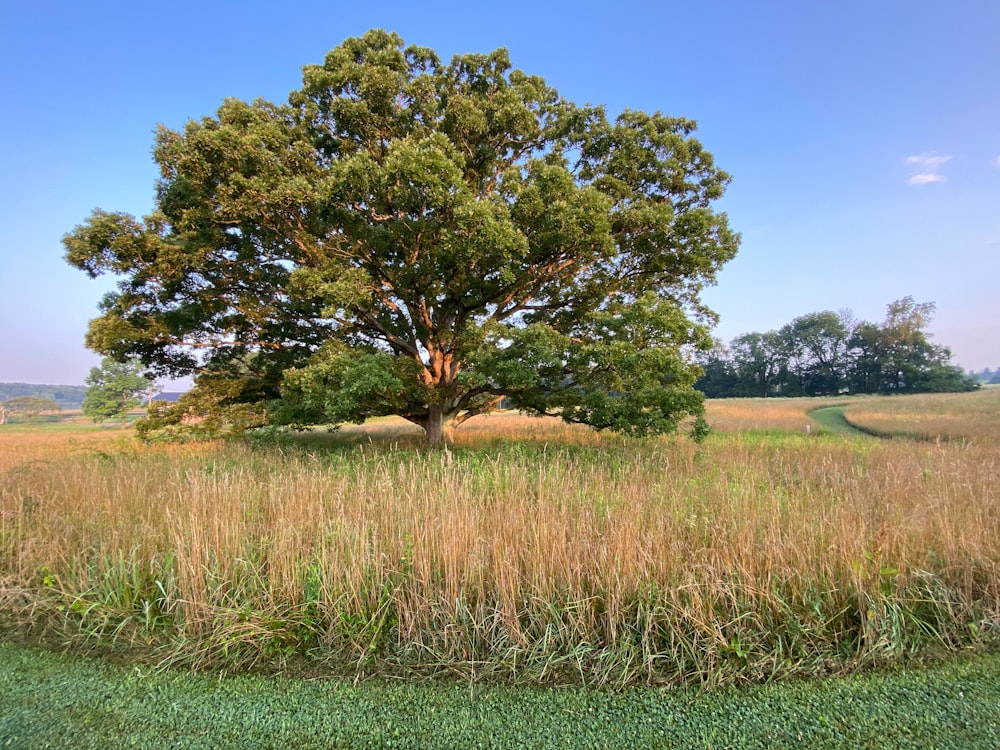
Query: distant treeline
pixel 827 353
pixel 986 376
pixel 67 396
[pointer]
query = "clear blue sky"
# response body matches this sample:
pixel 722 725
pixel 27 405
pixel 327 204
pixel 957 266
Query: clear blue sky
pixel 863 137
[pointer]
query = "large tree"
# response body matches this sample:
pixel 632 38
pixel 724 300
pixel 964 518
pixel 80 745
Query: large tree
pixel 414 237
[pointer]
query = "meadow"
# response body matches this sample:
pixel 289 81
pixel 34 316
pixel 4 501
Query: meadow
pixel 931 416
pixel 530 552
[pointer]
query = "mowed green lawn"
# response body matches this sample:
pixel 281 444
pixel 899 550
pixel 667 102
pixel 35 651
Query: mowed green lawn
pixel 55 701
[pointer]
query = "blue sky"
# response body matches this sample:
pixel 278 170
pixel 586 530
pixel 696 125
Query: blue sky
pixel 863 137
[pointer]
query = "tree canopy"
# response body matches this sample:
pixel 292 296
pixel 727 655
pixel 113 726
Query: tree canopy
pixel 408 236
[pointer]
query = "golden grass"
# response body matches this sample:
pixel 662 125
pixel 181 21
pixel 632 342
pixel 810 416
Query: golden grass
pixel 531 549
pixel 971 416
pixel 483 429
pixel 20 445
pixel 742 414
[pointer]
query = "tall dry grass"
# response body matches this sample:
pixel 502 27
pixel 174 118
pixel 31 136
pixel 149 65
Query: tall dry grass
pixel 515 555
pixel 484 429
pixel 969 416
pixel 761 414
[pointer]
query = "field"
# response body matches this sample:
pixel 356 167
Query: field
pixel 531 551
pixel 935 416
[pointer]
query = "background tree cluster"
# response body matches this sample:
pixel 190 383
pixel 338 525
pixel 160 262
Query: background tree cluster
pixel 826 353
pixel 67 396
pixel 986 376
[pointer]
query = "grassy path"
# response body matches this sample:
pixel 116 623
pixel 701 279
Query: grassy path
pixel 832 419
pixel 54 701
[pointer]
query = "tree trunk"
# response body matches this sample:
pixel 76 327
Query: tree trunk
pixel 437 426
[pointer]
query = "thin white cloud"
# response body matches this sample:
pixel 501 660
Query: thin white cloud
pixel 929 161
pixel 927 168
pixel 926 178
pixel 996 162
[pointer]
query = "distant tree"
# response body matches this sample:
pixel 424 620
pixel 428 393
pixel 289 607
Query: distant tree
pixel 115 388
pixel 867 347
pixel 898 356
pixel 906 347
pixel 28 406
pixel 719 378
pixel 760 361
pixel 816 345
pixel 942 377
